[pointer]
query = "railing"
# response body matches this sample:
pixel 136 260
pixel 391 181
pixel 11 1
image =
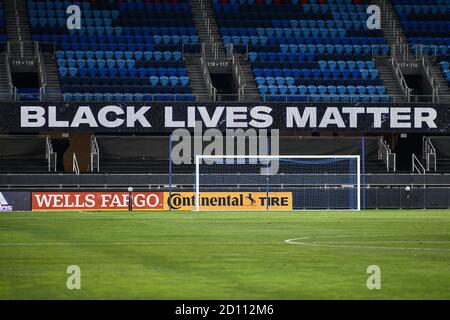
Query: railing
pixel 19 44
pixel 50 155
pixel 385 154
pixel 429 154
pixel 212 92
pixel 206 20
pixel 239 76
pixel 41 69
pixel 401 79
pixel 95 155
pixel 12 88
pixel 75 166
pixel 426 64
pixel 416 165
pixel 400 44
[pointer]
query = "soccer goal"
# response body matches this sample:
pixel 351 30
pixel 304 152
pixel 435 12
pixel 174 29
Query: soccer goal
pixel 277 182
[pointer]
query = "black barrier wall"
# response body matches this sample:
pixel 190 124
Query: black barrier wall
pixel 15 201
pixel 165 117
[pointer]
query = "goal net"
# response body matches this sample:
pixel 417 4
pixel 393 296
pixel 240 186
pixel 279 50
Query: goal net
pixel 277 183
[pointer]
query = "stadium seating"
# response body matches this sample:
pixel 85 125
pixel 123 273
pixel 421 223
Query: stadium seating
pixel 3 36
pixel 125 51
pixel 319 51
pixel 427 25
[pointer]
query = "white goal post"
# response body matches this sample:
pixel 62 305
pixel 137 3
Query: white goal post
pixel 315 182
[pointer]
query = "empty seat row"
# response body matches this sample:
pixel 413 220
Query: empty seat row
pixel 156 39
pixel 302 40
pixel 377 49
pixel 307 7
pixel 89 12
pixel 426 9
pixel 126 88
pixel 137 55
pixel 161 71
pixel 331 64
pixel 430 41
pixel 319 74
pixel 432 49
pixel 342 28
pixel 101 63
pixel 124 97
pixel 327 98
pixel 123 73
pixel 103 46
pixel 312 89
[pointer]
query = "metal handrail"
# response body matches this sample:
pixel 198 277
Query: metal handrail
pixel 426 64
pixel 239 75
pixel 385 154
pixel 429 154
pixel 12 88
pixel 207 22
pixel 50 155
pixel 75 166
pixel 95 154
pixel 212 91
pixel 416 165
pixel 42 76
pixel 399 75
pixel 400 43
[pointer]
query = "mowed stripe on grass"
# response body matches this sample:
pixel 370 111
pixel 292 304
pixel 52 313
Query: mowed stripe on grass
pixel 225 255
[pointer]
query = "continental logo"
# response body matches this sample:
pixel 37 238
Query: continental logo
pixel 229 201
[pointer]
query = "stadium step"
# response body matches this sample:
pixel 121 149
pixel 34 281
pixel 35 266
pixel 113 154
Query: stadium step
pixel 389 18
pixel 251 90
pixel 5 94
pixel 444 90
pixel 208 32
pixel 197 81
pixel 53 87
pixel 18 29
pixel 390 81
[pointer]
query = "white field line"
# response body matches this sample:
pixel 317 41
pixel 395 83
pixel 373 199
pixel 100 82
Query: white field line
pixel 299 241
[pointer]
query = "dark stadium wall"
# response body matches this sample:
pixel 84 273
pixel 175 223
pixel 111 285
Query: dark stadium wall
pixel 408 144
pixel 60 145
pixel 420 86
pixel 25 80
pixel 224 83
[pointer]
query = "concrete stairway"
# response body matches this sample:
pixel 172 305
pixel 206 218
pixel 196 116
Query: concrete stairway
pixel 18 29
pixel 388 19
pixel 53 87
pixel 19 35
pixel 4 79
pixel 207 35
pixel 386 71
pixel 444 90
pixel 197 81
pixel 390 36
pixel 251 90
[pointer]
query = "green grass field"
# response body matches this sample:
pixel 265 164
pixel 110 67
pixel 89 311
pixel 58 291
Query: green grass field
pixel 226 255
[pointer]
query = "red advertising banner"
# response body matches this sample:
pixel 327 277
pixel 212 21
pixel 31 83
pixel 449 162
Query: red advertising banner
pixel 96 201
